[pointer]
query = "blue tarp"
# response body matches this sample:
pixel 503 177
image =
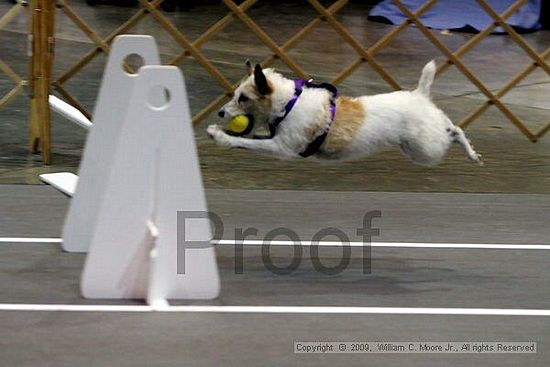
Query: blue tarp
pixel 455 14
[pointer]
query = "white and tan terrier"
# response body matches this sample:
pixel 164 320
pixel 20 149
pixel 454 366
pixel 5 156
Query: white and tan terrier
pixel 306 119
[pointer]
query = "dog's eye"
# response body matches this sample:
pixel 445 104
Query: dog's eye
pixel 243 98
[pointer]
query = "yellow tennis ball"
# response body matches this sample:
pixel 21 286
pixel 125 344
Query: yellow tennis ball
pixel 238 124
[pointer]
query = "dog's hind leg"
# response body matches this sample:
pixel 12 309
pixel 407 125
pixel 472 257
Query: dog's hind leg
pixel 458 136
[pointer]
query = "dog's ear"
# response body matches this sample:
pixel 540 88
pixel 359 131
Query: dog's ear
pixel 248 66
pixel 261 81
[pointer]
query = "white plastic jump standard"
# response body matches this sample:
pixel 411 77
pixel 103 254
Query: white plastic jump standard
pixel 109 114
pixel 140 167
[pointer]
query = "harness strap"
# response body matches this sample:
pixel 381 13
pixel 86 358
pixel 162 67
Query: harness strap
pixel 288 107
pixel 314 146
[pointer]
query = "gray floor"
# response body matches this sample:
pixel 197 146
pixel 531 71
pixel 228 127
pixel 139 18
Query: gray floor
pixel 32 273
pixel 405 217
pixel 122 339
pixel 42 274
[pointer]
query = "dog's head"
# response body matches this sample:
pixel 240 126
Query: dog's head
pixel 256 96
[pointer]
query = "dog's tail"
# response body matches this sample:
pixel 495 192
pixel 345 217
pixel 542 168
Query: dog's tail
pixel 427 78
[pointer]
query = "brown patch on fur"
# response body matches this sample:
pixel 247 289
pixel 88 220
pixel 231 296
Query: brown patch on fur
pixel 251 90
pixel 264 102
pixel 350 114
pixel 261 104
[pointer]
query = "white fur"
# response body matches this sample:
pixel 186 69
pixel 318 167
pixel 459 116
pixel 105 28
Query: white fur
pixel 406 119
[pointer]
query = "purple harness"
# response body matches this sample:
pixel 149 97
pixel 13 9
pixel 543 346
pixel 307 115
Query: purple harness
pixel 299 85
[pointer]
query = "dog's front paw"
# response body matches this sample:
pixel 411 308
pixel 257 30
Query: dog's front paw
pixel 219 136
pixel 213 131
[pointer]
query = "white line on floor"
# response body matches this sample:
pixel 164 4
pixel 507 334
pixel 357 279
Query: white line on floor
pixel 396 244
pixel 330 244
pixel 279 309
pixel 30 240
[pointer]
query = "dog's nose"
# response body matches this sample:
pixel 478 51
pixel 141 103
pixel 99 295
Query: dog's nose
pixel 221 113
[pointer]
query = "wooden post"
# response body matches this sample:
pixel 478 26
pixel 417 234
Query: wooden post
pixel 41 51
